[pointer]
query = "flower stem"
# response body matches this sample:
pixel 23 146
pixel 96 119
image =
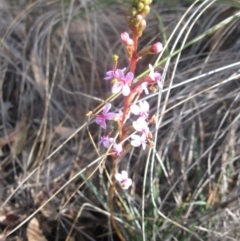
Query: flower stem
pixel 111 195
pixel 127 102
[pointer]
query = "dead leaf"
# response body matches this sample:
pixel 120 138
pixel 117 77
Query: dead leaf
pixel 64 132
pixel 34 232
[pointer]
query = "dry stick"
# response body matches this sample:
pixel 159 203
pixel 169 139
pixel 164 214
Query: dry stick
pixel 127 102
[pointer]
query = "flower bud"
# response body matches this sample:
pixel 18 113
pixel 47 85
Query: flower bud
pixel 131 22
pixel 156 48
pixel 138 19
pixel 142 25
pixel 140 7
pixel 146 10
pixel 147 2
pixel 126 40
pixel 134 12
pixel 135 2
pixel 115 58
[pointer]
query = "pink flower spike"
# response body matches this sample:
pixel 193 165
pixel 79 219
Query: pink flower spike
pixel 123 84
pixel 141 125
pixel 126 40
pixel 138 141
pixel 123 179
pixel 156 48
pixel 155 76
pixel 117 149
pixel 142 109
pixel 101 118
pixel 106 141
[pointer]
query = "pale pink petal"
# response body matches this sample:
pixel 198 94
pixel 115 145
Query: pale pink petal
pixel 124 174
pixel 129 76
pixel 103 124
pixel 106 141
pixel 135 143
pixel 144 87
pixel 144 145
pixel 110 116
pixel 106 108
pixel 135 109
pixel 123 179
pixel 117 149
pixel 125 90
pixel 118 177
pixel 126 184
pixel 119 73
pixel 151 73
pixel 144 106
pixel 117 88
pixel 98 120
pixel 138 141
pixel 109 75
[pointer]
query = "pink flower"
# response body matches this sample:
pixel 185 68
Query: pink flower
pixel 106 141
pixel 154 76
pixel 123 179
pixel 142 109
pixel 142 87
pixel 117 149
pixel 141 125
pixel 118 73
pixel 156 48
pixel 138 141
pixel 123 83
pixel 126 40
pixel 101 118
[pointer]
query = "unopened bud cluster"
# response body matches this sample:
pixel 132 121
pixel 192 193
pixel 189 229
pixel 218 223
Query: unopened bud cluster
pixel 136 20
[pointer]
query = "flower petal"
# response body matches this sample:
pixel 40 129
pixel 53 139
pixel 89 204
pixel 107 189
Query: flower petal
pixel 124 174
pixel 110 116
pixel 125 90
pixel 135 109
pixel 135 143
pixel 103 124
pixel 117 88
pixel 126 184
pixel 129 77
pixel 118 177
pixel 144 106
pixel 106 108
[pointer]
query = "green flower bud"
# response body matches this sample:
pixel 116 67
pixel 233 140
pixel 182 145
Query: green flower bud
pixel 140 7
pixel 138 19
pixel 134 3
pixel 145 10
pixel 134 12
pixel 131 22
pixel 115 58
pixel 147 2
